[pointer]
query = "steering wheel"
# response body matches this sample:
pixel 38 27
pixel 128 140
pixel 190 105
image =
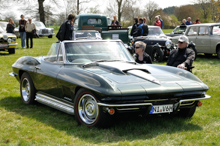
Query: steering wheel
pixel 81 60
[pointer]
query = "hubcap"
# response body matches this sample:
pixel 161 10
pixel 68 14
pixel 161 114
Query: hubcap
pixel 25 89
pixel 88 109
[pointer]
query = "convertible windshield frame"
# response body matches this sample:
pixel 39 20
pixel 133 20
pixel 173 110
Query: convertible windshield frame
pixel 83 52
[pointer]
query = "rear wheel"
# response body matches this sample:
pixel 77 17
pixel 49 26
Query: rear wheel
pixel 11 51
pixel 157 55
pixel 87 111
pixel 27 89
pixel 187 112
pixel 50 36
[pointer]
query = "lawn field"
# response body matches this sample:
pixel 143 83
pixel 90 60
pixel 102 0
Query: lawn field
pixel 41 125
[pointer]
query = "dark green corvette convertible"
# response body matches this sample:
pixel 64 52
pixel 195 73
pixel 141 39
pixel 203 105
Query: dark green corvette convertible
pixel 96 80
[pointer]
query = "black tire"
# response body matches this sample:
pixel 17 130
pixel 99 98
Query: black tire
pixel 157 55
pixel 11 51
pixel 186 112
pixel 27 89
pixel 87 112
pixel 218 52
pixel 208 55
pixel 50 36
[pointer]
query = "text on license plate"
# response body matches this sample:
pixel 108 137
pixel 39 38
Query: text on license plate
pixel 161 109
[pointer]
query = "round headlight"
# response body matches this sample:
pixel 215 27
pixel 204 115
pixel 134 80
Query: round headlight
pixel 9 40
pixel 5 37
pixel 168 44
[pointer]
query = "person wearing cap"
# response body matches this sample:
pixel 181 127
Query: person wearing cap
pixel 22 24
pixel 157 21
pixel 140 55
pixel 182 57
pixel 30 28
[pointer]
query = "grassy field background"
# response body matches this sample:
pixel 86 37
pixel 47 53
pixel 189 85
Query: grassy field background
pixel 41 125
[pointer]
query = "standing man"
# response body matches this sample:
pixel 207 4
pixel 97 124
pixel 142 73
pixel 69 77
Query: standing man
pixel 145 20
pixel 157 21
pixel 134 27
pixel 189 22
pixel 161 21
pixel 22 24
pixel 29 28
pixel 182 57
pixel 115 22
pixel 66 29
pixel 142 29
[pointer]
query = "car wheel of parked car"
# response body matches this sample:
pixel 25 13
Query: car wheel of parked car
pixel 187 112
pixel 157 55
pixel 218 52
pixel 27 89
pixel 50 36
pixel 87 111
pixel 11 51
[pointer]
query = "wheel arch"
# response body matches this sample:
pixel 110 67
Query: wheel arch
pixel 217 47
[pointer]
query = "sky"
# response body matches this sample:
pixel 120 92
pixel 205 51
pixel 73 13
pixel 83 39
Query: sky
pixel 104 3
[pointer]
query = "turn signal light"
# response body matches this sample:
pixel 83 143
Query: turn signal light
pixel 199 103
pixel 111 111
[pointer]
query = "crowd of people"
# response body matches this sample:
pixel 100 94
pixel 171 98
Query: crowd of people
pixel 27 29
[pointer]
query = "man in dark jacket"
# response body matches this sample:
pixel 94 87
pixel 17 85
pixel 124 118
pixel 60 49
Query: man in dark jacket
pixel 182 57
pixel 142 29
pixel 134 27
pixel 66 29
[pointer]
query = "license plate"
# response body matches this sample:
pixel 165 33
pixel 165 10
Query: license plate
pixel 3 45
pixel 157 109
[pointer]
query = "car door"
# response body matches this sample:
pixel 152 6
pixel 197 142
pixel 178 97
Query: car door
pixel 47 70
pixel 192 33
pixel 203 40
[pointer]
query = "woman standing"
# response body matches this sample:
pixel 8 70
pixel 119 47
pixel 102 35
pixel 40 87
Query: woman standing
pixel 30 28
pixel 10 26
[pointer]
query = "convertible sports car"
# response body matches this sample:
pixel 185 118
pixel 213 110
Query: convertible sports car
pixel 96 80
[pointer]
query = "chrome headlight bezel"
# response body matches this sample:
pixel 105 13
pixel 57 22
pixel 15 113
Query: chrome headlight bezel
pixel 9 40
pixel 5 37
pixel 168 44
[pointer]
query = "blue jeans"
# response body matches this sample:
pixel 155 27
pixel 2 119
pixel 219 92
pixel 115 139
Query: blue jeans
pixel 23 37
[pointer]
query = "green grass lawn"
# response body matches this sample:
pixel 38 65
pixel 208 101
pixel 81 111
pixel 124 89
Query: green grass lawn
pixel 41 125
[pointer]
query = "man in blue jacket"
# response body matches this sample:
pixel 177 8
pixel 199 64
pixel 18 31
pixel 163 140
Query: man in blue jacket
pixel 189 22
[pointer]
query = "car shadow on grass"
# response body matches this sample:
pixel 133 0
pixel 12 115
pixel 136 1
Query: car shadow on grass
pixel 124 128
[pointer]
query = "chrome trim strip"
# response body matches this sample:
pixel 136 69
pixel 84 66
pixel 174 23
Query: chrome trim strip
pixel 124 105
pixel 13 74
pixel 55 103
pixel 155 100
pixel 194 99
pixel 182 104
pixel 12 44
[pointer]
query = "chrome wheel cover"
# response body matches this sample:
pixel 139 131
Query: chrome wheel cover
pixel 25 89
pixel 88 109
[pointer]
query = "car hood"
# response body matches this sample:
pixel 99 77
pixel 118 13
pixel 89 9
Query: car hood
pixel 8 34
pixel 128 77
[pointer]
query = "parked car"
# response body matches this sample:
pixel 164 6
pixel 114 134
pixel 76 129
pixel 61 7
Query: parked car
pixel 7 41
pixel 16 32
pixel 96 80
pixel 206 37
pixel 86 34
pixel 179 30
pixel 41 30
pixel 3 24
pixel 158 44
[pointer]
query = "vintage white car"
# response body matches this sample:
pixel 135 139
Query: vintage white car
pixel 206 37
pixel 42 30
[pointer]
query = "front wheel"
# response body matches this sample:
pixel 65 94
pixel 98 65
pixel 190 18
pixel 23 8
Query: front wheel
pixel 157 55
pixel 27 89
pixel 50 36
pixel 187 112
pixel 11 51
pixel 87 112
pixel 218 53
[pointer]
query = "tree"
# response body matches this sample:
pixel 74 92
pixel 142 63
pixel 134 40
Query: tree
pixel 117 7
pixel 78 10
pixel 151 10
pixel 186 11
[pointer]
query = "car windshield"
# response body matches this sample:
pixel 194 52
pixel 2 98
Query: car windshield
pixel 180 30
pixel 155 31
pixel 39 24
pixel 86 52
pixel 87 34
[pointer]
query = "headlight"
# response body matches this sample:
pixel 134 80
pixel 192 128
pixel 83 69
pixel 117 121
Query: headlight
pixel 13 39
pixel 168 44
pixel 9 40
pixel 5 37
